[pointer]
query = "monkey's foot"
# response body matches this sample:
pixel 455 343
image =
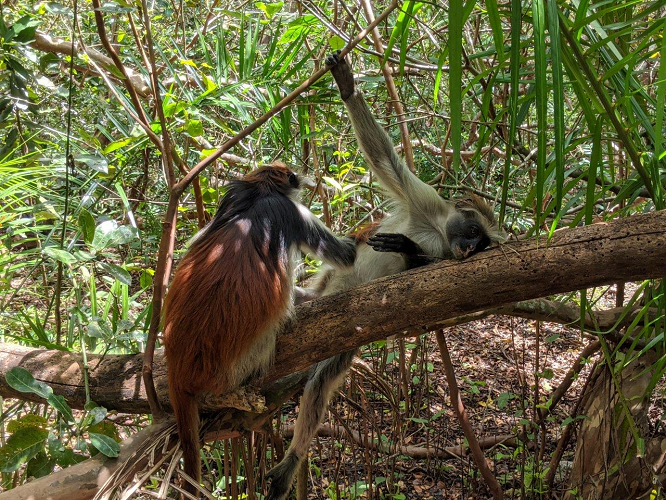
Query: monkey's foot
pixel 281 476
pixel 342 73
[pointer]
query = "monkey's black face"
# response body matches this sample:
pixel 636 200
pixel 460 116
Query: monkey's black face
pixel 294 181
pixel 466 235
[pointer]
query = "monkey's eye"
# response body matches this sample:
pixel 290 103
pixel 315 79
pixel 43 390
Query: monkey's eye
pixel 293 179
pixel 474 231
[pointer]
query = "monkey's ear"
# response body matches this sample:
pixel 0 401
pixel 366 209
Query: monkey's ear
pixel 465 202
pixel 474 202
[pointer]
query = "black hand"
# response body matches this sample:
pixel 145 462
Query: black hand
pixel 342 73
pixel 393 242
pixel 399 243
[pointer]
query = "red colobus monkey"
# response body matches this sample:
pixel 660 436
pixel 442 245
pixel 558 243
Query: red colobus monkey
pixel 422 228
pixel 233 291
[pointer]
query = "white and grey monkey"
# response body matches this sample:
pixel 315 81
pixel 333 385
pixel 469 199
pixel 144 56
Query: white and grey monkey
pixel 421 228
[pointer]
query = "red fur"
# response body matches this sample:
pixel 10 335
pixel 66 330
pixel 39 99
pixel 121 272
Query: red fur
pixel 222 298
pixel 365 232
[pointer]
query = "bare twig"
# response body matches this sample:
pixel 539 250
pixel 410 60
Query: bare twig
pixel 418 452
pixel 461 413
pixel 47 43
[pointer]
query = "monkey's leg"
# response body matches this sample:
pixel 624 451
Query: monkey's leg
pixel 327 377
pixel 305 294
pixel 399 243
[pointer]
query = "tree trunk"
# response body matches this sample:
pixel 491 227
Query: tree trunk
pixel 606 462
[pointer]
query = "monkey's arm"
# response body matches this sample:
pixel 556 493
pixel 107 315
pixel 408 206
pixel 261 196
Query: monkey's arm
pixel 399 243
pixel 317 239
pixel 403 186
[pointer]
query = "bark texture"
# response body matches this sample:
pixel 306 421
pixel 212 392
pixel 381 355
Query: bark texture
pixel 607 465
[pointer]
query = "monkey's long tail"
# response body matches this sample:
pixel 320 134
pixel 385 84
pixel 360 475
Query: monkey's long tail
pixel 187 421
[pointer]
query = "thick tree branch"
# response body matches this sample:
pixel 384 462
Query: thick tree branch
pixel 628 249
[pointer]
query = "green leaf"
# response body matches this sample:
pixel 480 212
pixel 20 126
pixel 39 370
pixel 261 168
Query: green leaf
pixel 104 444
pixel 558 99
pixel 110 234
pixel 95 416
pixel 59 255
pixel 400 31
pixel 21 446
pixel 146 279
pixel 269 9
pixel 496 26
pixel 110 148
pixel 105 428
pixel 504 398
pixel 97 163
pixel 24 29
pixel 116 272
pixel 29 420
pixel 60 404
pixel 595 160
pixel 336 43
pixel 22 380
pixel 39 466
pixel 194 128
pixel 332 182
pixel 87 225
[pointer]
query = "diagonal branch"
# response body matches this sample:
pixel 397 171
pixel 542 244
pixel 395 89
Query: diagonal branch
pixel 627 249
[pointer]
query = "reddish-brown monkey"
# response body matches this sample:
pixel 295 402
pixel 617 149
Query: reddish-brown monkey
pixel 233 291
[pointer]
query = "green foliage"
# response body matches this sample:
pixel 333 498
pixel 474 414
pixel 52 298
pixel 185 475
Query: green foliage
pixel 530 93
pixel 27 440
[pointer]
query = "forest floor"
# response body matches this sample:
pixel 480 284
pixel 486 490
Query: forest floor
pixel 495 361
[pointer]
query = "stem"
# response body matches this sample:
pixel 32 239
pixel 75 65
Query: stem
pixel 461 413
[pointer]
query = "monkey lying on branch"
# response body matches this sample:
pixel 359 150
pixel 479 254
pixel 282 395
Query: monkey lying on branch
pixel 422 228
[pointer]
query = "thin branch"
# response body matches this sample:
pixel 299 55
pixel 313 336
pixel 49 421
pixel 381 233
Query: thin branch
pixel 166 140
pixel 418 452
pixel 461 413
pixel 47 43
pixel 101 30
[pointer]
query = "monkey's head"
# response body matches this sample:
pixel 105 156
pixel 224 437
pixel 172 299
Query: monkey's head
pixel 275 177
pixel 472 228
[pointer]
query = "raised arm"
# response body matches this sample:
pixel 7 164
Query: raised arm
pixel 378 149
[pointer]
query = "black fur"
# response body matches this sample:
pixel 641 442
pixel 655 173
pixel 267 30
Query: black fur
pixel 399 243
